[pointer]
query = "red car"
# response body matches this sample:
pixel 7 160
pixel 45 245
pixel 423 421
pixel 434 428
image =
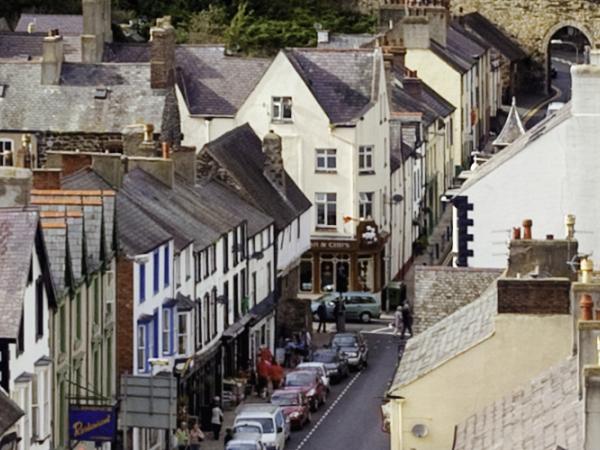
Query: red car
pixel 310 384
pixel 294 404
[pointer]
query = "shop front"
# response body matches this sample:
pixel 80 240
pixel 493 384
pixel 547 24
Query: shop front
pixel 362 258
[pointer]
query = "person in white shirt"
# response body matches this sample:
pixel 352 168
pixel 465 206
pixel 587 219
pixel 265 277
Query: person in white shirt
pixel 217 418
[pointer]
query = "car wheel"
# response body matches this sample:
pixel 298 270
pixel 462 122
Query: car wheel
pixel 365 317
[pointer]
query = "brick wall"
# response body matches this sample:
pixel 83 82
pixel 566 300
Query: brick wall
pixel 124 316
pixel 440 291
pixel 533 296
pixel 47 178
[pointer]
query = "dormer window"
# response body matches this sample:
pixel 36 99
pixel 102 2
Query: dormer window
pixel 281 109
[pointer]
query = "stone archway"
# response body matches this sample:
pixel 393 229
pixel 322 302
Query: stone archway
pixel 548 37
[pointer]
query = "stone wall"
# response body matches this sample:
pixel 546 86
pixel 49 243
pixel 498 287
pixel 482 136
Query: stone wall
pixel 440 291
pixel 84 142
pixel 293 314
pixel 533 22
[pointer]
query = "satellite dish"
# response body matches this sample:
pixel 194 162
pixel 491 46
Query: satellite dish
pixel 420 430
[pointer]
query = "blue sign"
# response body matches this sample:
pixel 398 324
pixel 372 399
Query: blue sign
pixel 92 423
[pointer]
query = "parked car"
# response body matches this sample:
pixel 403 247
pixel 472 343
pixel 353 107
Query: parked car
pixel 310 384
pixel 335 363
pixel 317 367
pixel 246 441
pixel 360 306
pixel 247 427
pixel 353 345
pixel 275 427
pixel 295 406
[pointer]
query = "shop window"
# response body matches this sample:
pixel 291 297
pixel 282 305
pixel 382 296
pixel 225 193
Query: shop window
pixel 326 209
pixel 306 281
pixel 330 266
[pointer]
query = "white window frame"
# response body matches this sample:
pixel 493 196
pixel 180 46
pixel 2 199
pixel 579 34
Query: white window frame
pixel 325 160
pixel 35 407
pixel 166 330
pixel 278 109
pixel 183 335
pixel 365 199
pixel 323 199
pixel 141 347
pixel 365 158
pixel 4 151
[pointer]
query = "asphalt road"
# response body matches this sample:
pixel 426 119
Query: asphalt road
pixel 351 419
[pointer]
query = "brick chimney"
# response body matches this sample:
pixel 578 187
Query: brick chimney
pixel 52 58
pixel 412 86
pixel 438 23
pixel 273 165
pixel 47 178
pixel 398 57
pixel 162 60
pixel 534 296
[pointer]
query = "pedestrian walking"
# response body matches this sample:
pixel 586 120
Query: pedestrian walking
pixel 398 320
pixel 276 374
pixel 196 436
pixel 182 436
pixel 217 418
pixel 322 315
pixel 407 320
pixel 339 312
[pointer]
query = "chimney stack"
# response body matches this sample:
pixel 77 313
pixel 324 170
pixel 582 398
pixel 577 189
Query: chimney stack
pixel 162 59
pixel 438 23
pixel 412 86
pixel 516 235
pixel 415 32
pixel 585 89
pixel 96 29
pixel 273 166
pixel 16 187
pixel 398 57
pixel 52 59
pixel 322 36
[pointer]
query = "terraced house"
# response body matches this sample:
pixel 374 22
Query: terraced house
pixel 78 229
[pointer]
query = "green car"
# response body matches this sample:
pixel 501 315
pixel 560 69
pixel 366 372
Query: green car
pixel 360 306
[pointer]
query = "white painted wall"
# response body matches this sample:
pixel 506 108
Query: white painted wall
pixel 34 348
pixel 293 241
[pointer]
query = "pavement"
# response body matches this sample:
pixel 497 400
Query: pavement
pixel 351 414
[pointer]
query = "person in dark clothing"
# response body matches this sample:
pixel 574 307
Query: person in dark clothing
pixel 228 436
pixel 339 313
pixel 322 315
pixel 407 320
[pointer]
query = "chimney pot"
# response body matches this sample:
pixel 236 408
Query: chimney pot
pixel 166 150
pixel 516 233
pixel 586 304
pixel 527 224
pixel 587 267
pixel 570 226
pixel 148 132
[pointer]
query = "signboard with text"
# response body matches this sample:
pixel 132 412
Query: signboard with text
pixel 92 423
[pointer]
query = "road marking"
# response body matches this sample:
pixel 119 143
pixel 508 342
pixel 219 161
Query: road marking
pixel 339 397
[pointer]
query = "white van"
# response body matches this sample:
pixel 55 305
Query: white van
pixel 273 422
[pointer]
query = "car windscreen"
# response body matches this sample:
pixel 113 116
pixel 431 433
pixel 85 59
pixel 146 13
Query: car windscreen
pixel 267 423
pixel 285 399
pixel 344 341
pixel 247 429
pixel 324 357
pixel 299 379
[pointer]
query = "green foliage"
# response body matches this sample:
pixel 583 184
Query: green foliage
pixel 206 26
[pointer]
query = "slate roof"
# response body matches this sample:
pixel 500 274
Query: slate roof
pixel 67 24
pixel 55 238
pixel 519 145
pixel 343 40
pixel 18 228
pixel 10 412
pixel 495 37
pixel 71 106
pixel 512 129
pixel 240 152
pixel 544 414
pixel 448 338
pixel 344 82
pixel 462 49
pixel 25 47
pixel 179 210
pixel 212 83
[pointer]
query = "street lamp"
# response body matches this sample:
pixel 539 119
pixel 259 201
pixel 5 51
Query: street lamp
pixel 572 44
